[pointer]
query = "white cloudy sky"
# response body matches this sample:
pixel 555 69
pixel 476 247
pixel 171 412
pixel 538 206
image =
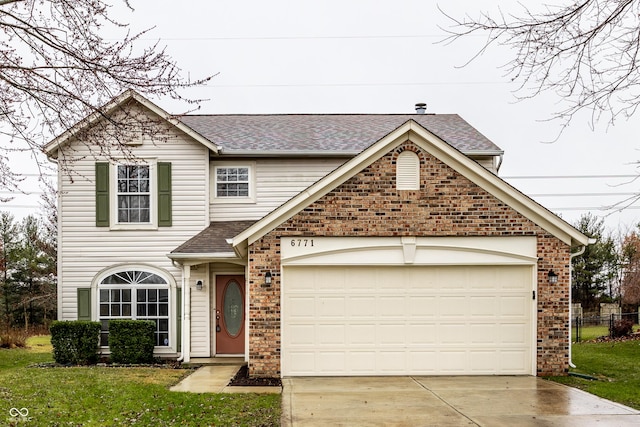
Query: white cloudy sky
pixel 364 56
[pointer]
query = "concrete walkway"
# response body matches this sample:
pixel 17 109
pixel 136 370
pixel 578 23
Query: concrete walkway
pixel 445 401
pixel 215 379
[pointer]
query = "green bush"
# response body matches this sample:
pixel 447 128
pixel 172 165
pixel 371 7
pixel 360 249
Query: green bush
pixel 131 341
pixel 75 342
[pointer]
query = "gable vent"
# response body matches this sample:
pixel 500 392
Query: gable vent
pixel 408 171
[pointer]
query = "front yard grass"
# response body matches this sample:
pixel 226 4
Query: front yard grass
pixel 614 363
pixel 107 396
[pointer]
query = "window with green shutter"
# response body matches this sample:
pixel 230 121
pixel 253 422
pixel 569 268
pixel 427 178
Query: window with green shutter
pixel 133 195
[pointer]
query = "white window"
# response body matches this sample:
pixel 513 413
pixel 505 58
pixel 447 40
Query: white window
pixel 133 190
pixel 233 183
pixel 408 171
pixel 135 294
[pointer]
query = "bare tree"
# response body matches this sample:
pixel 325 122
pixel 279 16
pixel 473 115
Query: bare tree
pixel 57 67
pixel 585 51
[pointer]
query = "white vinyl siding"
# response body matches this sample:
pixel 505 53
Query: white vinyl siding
pixel 276 181
pixel 200 313
pixel 85 250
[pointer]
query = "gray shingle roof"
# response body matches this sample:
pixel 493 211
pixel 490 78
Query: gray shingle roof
pixel 213 239
pixel 331 133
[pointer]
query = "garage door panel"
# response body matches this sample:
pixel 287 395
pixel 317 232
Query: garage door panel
pixel 422 306
pixel 331 307
pixel 428 323
pixel 299 308
pixel 331 334
pixel 483 306
pixel 391 306
pixel 484 333
pixel 514 333
pixel 516 305
pixel 453 306
pixel 361 335
pixel 421 334
pixel 362 307
pixel 453 333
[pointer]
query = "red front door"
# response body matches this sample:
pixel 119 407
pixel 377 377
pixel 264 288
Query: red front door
pixel 230 310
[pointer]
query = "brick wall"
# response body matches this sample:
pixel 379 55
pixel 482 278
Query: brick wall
pixel 447 204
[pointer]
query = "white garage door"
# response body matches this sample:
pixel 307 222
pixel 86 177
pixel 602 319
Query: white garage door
pixel 410 320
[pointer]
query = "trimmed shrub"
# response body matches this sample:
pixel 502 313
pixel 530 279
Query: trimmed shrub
pixel 132 341
pixel 75 342
pixel 621 328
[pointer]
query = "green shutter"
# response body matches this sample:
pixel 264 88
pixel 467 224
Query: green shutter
pixel 179 319
pixel 164 194
pixel 102 195
pixel 84 303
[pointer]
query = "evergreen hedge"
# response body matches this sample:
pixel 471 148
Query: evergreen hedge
pixel 132 341
pixel 75 342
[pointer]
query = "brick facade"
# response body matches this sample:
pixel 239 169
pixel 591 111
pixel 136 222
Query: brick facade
pixel 447 204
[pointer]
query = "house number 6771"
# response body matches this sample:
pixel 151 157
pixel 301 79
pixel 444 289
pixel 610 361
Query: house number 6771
pixel 302 242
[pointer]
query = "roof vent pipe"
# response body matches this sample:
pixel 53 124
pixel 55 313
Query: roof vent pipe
pixel 421 107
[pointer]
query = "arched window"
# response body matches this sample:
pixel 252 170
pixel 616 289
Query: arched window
pixel 408 171
pixel 135 294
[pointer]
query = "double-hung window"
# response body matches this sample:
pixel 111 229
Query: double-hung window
pixel 133 194
pixel 233 183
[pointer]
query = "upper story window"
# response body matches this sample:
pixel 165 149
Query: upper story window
pixel 233 183
pixel 134 194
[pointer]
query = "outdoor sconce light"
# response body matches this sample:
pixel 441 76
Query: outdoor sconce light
pixel 553 277
pixel 199 285
pixel 267 278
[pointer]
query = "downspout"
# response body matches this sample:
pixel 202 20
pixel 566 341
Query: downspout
pixel 573 255
pixel 186 315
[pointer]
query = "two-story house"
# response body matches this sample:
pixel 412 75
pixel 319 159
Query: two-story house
pixel 329 244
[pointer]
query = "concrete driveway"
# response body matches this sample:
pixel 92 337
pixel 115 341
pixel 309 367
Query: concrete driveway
pixel 445 401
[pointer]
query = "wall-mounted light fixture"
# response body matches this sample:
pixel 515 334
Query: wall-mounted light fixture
pixel 553 277
pixel 199 285
pixel 267 278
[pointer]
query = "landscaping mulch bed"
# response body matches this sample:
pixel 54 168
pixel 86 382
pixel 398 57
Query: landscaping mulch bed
pixel 242 379
pixel 606 338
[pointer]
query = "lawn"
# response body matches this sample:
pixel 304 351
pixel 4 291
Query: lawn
pixel 106 396
pixel 615 364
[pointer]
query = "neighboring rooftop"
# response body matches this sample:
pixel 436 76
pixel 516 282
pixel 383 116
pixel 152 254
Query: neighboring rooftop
pixel 328 133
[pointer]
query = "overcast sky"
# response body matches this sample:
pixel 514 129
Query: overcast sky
pixel 364 56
